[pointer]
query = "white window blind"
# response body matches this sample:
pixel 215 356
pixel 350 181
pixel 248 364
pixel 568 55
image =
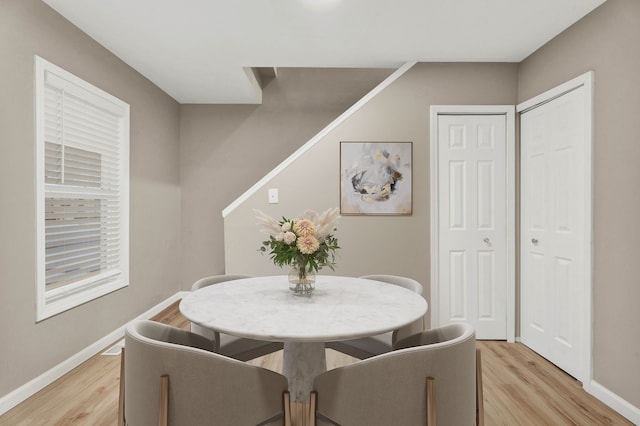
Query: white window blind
pixel 82 146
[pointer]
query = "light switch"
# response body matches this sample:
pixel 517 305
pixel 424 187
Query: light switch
pixel 273 195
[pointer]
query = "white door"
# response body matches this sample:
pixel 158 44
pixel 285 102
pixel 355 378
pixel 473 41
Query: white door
pixel 472 222
pixel 555 230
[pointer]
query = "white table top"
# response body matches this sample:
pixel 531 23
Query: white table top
pixel 340 308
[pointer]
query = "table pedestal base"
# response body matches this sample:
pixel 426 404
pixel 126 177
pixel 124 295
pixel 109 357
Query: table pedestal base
pixel 302 361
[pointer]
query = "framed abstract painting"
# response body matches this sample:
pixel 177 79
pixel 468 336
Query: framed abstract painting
pixel 376 178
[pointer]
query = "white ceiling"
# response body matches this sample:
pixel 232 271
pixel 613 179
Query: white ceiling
pixel 198 51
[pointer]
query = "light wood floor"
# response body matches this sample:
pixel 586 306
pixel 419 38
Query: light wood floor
pixel 520 388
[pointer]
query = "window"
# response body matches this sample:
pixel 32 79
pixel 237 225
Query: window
pixel 82 190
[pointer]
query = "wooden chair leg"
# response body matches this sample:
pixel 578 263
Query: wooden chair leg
pixel 431 401
pixel 121 421
pixel 163 408
pixel 286 397
pixel 313 405
pixel 479 392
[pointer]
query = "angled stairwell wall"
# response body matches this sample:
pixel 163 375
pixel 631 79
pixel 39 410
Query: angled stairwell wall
pixel 225 149
pixel 398 110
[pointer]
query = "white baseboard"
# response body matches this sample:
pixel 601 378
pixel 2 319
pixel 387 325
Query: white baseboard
pixel 20 394
pixel 620 405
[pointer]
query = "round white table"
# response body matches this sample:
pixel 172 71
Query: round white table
pixel 340 308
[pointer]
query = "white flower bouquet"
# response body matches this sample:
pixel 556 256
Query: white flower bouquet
pixel 305 243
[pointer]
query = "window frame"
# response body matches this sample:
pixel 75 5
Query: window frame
pixel 50 302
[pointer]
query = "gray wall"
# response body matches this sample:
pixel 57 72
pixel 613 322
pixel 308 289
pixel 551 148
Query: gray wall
pixel 373 244
pixel 29 27
pixel 607 41
pixel 225 149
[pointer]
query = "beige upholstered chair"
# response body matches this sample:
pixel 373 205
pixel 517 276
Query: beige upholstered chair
pixel 411 386
pixel 375 345
pixel 443 334
pixel 239 348
pixel 172 377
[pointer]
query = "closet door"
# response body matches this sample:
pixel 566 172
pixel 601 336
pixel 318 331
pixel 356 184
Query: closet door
pixel 555 230
pixel 472 218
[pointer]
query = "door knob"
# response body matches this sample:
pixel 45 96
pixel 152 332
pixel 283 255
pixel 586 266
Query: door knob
pixel 486 240
pixel 534 241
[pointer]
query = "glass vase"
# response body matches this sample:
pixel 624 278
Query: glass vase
pixel 302 282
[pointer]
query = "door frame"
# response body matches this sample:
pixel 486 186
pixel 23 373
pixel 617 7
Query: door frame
pixel 585 80
pixel 509 112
